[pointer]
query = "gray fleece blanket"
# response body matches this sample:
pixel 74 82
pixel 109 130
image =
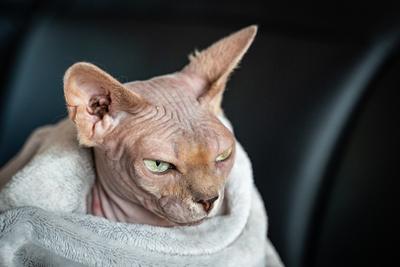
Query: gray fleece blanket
pixel 43 220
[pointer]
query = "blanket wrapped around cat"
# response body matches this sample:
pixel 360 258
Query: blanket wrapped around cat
pixel 43 220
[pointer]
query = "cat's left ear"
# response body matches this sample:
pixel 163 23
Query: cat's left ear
pixel 214 65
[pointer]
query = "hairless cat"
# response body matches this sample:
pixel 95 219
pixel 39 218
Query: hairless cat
pixel 161 153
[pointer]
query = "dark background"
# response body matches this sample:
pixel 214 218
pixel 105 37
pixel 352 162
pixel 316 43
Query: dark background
pixel 314 103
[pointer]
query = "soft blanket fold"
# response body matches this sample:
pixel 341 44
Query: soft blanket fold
pixel 43 220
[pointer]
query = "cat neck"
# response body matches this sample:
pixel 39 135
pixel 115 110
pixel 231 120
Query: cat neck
pixel 106 204
pixel 109 202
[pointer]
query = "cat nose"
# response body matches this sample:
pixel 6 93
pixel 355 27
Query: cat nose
pixel 207 203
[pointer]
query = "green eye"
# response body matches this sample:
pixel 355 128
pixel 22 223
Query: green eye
pixel 224 155
pixel 157 166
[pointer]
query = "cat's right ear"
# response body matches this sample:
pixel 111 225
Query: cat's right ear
pixel 96 101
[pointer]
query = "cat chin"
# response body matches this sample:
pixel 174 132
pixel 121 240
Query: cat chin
pixel 182 221
pixel 171 221
pixel 191 223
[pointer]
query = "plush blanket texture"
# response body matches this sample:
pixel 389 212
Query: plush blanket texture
pixel 43 220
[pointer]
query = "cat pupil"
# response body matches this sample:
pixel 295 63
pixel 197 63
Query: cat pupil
pixel 158 163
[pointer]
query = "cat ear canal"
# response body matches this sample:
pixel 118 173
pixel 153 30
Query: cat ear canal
pixel 215 64
pixel 96 101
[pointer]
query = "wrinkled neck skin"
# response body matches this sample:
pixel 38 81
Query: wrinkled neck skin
pixel 123 204
pixel 110 202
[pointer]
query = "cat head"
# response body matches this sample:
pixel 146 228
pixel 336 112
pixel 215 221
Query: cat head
pixel 162 137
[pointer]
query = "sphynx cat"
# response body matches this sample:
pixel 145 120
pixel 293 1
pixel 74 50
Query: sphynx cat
pixel 162 155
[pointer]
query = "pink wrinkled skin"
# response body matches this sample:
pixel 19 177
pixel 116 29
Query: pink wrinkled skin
pixel 172 118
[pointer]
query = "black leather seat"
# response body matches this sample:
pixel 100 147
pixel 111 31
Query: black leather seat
pixel 314 105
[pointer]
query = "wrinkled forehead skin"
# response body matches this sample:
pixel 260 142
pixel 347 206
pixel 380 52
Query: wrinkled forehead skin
pixel 175 126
